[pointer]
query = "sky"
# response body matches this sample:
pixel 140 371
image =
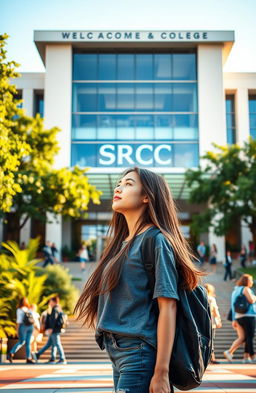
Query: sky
pixel 19 18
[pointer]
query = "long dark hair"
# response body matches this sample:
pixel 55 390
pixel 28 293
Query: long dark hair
pixel 160 212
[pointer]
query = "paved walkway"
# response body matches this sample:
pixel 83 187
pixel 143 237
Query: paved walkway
pixel 95 377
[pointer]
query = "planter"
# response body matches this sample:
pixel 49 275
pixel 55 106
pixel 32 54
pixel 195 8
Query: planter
pixel 3 349
pixel 21 353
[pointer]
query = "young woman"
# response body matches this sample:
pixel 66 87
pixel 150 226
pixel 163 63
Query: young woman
pixel 243 323
pixel 216 318
pixel 24 331
pixel 83 256
pixel 136 326
pixel 213 257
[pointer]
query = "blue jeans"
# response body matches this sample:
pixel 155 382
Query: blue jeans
pixel 133 362
pixel 55 344
pixel 25 334
pixel 46 346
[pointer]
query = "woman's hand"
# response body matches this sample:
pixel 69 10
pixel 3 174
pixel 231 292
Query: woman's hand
pixel 160 383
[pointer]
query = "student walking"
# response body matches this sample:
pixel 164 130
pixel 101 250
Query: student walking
pixel 216 319
pixel 228 265
pixel 213 257
pixel 48 256
pixel 53 330
pixel 243 256
pixel 25 325
pixel 37 336
pixel 135 325
pixel 243 322
pixel 83 256
pixel 201 249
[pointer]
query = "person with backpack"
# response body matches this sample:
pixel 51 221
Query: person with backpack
pixel 228 265
pixel 243 315
pixel 133 298
pixel 53 327
pixel 25 326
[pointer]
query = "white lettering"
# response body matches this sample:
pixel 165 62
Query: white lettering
pixel 108 154
pixel 138 155
pixel 124 152
pixel 157 155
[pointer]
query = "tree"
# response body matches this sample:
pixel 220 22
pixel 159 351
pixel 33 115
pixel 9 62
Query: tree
pixel 29 185
pixel 227 184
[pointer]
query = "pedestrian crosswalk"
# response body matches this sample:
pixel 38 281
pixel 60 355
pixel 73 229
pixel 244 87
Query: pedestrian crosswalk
pixel 92 377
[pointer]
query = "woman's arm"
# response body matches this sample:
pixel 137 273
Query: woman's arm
pixel 249 295
pixel 165 337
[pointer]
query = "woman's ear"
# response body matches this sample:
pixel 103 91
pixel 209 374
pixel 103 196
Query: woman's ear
pixel 145 199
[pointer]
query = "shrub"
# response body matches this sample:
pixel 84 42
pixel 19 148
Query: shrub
pixel 59 281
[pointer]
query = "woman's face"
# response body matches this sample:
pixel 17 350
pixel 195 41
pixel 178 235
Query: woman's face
pixel 128 194
pixel 250 282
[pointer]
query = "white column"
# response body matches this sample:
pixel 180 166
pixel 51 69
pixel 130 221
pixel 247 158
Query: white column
pixel 211 108
pixel 66 232
pixel 58 88
pixel 25 231
pixel 28 101
pixel 53 231
pixel 242 115
pixel 220 243
pixel 246 234
pixel 211 102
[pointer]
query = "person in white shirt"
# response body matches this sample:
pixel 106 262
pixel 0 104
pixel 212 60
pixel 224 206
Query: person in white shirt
pixel 83 256
pixel 216 319
pixel 37 336
pixel 25 326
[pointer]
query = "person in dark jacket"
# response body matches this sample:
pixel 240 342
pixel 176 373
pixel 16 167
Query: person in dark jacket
pixel 228 264
pixel 48 256
pixel 53 330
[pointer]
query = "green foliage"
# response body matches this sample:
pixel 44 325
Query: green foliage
pixel 28 183
pixel 7 327
pixel 60 281
pixel 227 184
pixel 22 277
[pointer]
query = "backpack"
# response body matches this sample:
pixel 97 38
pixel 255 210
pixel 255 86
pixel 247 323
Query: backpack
pixel 193 342
pixel 28 318
pixel 61 321
pixel 241 304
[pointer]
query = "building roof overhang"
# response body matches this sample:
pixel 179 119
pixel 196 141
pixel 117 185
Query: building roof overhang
pixel 133 39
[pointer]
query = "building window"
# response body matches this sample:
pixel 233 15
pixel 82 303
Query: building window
pixel 230 119
pixel 125 97
pixel 39 104
pixel 252 114
pixel 18 96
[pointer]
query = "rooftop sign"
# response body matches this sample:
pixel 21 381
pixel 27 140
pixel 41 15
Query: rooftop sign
pixel 132 36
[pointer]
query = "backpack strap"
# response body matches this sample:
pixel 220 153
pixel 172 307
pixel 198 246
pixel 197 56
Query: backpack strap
pixel 148 254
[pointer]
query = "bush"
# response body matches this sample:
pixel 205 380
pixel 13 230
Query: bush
pixel 59 281
pixel 21 277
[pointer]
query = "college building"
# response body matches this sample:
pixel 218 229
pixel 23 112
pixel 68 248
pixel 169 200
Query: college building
pixel 156 99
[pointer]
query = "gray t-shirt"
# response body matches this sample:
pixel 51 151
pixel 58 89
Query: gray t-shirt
pixel 129 309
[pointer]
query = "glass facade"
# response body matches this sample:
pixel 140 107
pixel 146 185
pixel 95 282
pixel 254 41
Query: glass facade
pixel 252 114
pixel 39 104
pixel 230 119
pixel 126 105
